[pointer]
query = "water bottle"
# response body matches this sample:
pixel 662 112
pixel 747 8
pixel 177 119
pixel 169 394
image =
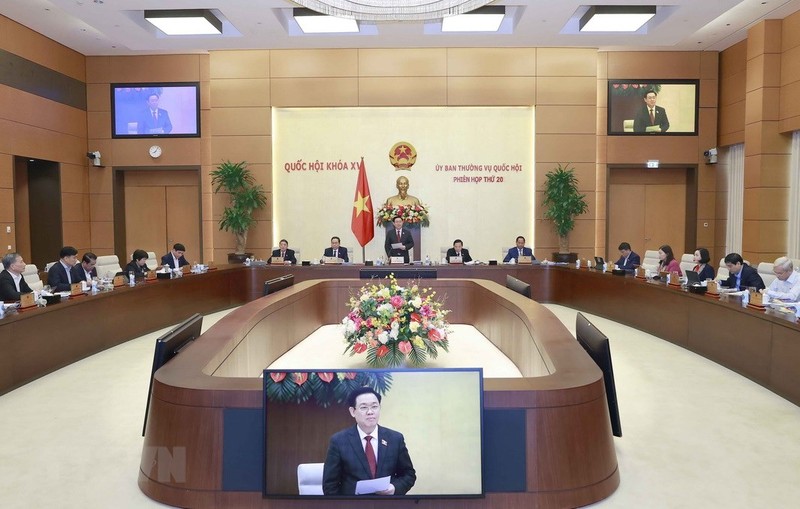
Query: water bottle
pixel 131 279
pixel 427 260
pixel 745 298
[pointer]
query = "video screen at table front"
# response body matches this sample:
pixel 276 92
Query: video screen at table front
pixel 429 433
pixel 653 107
pixel 155 110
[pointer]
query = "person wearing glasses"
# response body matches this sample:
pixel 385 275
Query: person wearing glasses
pixel 367 451
pixel 786 287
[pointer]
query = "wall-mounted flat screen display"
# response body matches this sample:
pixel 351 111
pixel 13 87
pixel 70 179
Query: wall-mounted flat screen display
pixel 653 107
pixel 155 110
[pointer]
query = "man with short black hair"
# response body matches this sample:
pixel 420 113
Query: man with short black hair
pixel 175 258
pixel 336 250
pixel 12 284
pixel 628 260
pixel 85 270
pixel 284 252
pixel 519 250
pixel 367 451
pixel 59 277
pixel 458 251
pixel 651 118
pixel 398 235
pixel 742 276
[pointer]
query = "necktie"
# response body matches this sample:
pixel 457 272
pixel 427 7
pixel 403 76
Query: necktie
pixel 283 254
pixel 520 252
pixel 370 452
pixel 652 117
pixel 398 234
pixel 336 253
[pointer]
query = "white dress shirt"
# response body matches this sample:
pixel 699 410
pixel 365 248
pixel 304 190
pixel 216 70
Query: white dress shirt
pixel 787 291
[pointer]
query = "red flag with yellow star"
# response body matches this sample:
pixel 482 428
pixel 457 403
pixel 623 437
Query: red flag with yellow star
pixel 362 222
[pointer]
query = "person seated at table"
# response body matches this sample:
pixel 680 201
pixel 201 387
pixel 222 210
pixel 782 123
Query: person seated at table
pixel 175 258
pixel 138 265
pixel 668 262
pixel 519 250
pixel 703 269
pixel 59 277
pixel 12 284
pixel 786 286
pixel 628 260
pixel 284 252
pixel 336 250
pixel 85 270
pixel 458 250
pixel 742 276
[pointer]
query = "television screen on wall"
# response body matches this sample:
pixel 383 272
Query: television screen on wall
pixel 653 107
pixel 155 110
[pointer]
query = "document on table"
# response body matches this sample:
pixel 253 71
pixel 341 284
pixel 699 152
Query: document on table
pixel 397 245
pixel 370 486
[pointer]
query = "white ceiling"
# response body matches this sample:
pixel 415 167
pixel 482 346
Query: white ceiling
pixel 117 27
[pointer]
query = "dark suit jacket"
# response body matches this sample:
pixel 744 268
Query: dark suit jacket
pixel 707 273
pixel 57 278
pixel 465 257
pixel 513 254
pixel 342 253
pixel 642 119
pixel 78 274
pixel 346 462
pixel 167 260
pixel 148 125
pixel 8 290
pixel 136 269
pixel 633 261
pixel 289 255
pixel 405 239
pixel 750 277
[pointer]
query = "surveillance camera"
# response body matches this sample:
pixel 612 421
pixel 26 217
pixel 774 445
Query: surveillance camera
pixel 95 157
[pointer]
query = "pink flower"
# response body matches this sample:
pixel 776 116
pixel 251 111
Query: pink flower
pixel 277 377
pixel 300 378
pixel 382 350
pixel 426 310
pixel 397 301
pixel 350 376
pixel 434 335
pixel 404 346
pixel 359 347
pixel 325 377
pixel 415 317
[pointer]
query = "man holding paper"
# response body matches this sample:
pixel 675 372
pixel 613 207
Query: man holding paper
pixel 367 458
pixel 398 240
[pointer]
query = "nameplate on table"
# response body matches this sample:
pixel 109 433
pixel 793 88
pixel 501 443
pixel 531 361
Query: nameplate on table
pixel 151 275
pixel 276 260
pixel 119 281
pixel 332 260
pixel 455 260
pixel 640 272
pixel 186 269
pixel 397 260
pixel 76 289
pixel 525 260
pixel 26 300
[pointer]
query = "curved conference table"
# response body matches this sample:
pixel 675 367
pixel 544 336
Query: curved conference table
pixel 205 399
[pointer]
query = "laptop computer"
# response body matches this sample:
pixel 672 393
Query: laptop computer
pixel 692 277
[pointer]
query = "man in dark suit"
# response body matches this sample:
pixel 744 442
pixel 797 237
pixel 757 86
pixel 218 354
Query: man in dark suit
pixel 85 270
pixel 154 120
pixel 742 276
pixel 398 235
pixel 12 284
pixel 284 252
pixel 628 260
pixel 458 250
pixel 175 258
pixel 367 451
pixel 336 250
pixel 520 250
pixel 59 277
pixel 651 116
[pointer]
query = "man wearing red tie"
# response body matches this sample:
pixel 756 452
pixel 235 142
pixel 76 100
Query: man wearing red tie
pixel 336 250
pixel 398 235
pixel 284 252
pixel 519 250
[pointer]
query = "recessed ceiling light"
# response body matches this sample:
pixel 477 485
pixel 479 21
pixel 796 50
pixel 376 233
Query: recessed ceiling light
pixel 483 19
pixel 312 22
pixel 616 18
pixel 185 21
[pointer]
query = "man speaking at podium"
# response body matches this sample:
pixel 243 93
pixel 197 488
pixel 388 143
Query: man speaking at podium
pixel 367 451
pixel 397 236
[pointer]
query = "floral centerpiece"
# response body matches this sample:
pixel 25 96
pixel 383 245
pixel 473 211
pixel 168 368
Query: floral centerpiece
pixel 394 325
pixel 411 214
pixel 323 387
pixel 633 89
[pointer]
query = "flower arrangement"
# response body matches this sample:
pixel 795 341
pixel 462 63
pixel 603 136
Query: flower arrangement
pixel 411 214
pixel 395 325
pixel 324 387
pixel 633 89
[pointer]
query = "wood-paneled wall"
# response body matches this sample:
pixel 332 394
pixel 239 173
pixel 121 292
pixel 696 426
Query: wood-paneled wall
pixel 32 126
